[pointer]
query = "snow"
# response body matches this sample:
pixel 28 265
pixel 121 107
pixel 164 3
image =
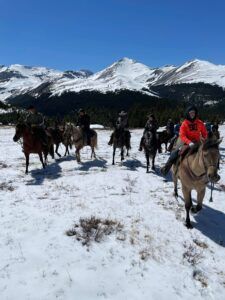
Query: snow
pixel 159 258
pixel 96 126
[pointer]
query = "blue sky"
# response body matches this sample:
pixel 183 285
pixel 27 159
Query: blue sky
pixel 91 34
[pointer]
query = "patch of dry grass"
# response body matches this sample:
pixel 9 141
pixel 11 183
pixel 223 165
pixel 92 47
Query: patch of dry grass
pixel 94 229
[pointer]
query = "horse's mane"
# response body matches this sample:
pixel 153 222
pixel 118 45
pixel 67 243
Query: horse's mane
pixel 211 143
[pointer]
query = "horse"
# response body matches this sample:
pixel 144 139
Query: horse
pixel 150 146
pixel 164 138
pixel 120 140
pixel 80 141
pixel 194 171
pixel 32 144
pixel 60 136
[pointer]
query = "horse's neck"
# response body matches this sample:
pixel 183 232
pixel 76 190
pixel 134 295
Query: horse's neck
pixel 28 137
pixel 196 162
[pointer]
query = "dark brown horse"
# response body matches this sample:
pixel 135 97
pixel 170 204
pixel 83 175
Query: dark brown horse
pixel 121 140
pixel 150 146
pixel 164 138
pixel 32 144
pixel 60 135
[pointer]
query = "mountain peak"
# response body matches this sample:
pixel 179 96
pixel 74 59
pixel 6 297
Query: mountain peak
pixel 126 60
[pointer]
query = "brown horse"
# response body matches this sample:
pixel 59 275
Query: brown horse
pixel 60 135
pixel 195 171
pixel 121 139
pixel 150 146
pixel 164 138
pixel 32 144
pixel 80 141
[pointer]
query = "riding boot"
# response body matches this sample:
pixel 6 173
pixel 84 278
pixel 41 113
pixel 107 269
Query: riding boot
pixel 172 159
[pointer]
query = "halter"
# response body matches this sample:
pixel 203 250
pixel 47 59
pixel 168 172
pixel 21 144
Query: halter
pixel 204 165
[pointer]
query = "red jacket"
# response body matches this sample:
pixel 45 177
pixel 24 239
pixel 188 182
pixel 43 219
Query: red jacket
pixel 192 131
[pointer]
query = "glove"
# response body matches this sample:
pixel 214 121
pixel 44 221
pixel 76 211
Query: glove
pixel 191 144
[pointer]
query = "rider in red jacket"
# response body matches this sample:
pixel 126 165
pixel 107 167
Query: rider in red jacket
pixel 191 132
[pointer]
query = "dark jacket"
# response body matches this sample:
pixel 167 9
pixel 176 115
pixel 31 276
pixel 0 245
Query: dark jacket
pixel 84 122
pixel 151 125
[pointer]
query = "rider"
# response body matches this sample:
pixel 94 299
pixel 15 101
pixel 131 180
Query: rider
pixel 208 126
pixel 151 125
pixel 176 134
pixel 84 123
pixel 191 131
pixel 121 125
pixel 170 127
pixel 36 121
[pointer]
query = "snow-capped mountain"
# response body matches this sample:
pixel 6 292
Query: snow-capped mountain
pixel 125 74
pixel 18 79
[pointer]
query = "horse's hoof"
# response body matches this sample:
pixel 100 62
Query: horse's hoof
pixel 188 225
pixel 153 168
pixel 26 172
pixel 196 209
pixel 175 194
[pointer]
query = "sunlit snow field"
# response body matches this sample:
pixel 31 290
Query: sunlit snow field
pixel 157 258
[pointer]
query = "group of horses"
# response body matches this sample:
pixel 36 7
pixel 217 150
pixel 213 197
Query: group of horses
pixel 194 170
pixel 67 134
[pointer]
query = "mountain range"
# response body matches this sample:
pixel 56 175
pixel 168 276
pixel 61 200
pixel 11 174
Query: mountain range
pixel 196 80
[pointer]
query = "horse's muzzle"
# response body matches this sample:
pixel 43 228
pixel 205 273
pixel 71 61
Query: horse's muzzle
pixel 214 177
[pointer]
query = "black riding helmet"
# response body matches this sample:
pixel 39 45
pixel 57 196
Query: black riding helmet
pixel 190 108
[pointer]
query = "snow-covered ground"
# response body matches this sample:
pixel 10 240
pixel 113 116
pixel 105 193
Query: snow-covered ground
pixel 157 257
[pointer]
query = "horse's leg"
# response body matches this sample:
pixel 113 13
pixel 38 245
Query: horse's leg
pixel 67 150
pixel 41 159
pixel 93 152
pixel 122 154
pixel 78 155
pixel 153 162
pixel 127 151
pixel 52 151
pixel 114 151
pixel 27 162
pixel 147 160
pixel 56 150
pixel 45 152
pixel 175 180
pixel 188 205
pixel 200 197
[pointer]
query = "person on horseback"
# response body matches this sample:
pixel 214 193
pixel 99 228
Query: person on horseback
pixel 191 132
pixel 151 125
pixel 208 126
pixel 84 123
pixel 176 134
pixel 121 126
pixel 35 120
pixel 170 127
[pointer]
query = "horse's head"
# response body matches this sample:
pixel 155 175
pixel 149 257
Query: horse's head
pixel 211 155
pixel 19 132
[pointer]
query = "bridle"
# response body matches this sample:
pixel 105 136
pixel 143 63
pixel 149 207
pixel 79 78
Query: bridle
pixel 204 165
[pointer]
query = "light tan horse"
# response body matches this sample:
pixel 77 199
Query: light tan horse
pixel 195 171
pixel 80 141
